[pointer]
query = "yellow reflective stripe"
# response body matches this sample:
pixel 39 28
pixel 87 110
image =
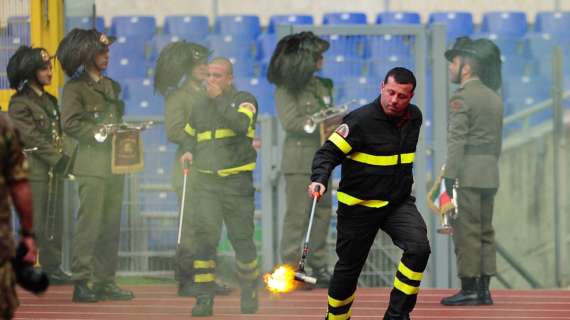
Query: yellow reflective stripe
pixel 251 133
pixel 408 157
pixel 382 160
pixel 247 112
pixel 340 303
pixel 344 316
pixel 405 288
pixel 248 276
pixel 352 201
pixel 206 277
pixel 230 171
pixel 204 264
pixel 339 141
pixel 189 130
pixel 248 265
pixel 218 134
pixel 409 273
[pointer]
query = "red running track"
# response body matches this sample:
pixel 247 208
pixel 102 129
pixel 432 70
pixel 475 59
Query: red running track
pixel 161 302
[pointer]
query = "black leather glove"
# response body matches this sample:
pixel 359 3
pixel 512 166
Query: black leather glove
pixel 62 165
pixel 449 186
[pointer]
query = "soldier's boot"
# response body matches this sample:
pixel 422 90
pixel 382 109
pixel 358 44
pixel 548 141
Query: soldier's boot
pixel 467 296
pixel 249 301
pixel 110 291
pixel 323 277
pixel 83 293
pixel 388 316
pixel 188 289
pixel 484 292
pixel 204 306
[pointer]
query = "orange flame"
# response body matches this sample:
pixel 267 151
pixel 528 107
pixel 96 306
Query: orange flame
pixel 282 280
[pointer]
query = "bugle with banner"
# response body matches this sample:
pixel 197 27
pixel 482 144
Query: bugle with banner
pixel 327 120
pixel 127 155
pixel 443 202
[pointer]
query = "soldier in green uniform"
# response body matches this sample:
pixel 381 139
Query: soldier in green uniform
pixel 36 114
pixel 186 62
pixel 14 189
pixel 474 147
pixel 91 101
pixel 223 159
pixel 299 95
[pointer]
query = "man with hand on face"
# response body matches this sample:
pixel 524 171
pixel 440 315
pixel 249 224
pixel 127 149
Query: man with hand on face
pixel 223 160
pixel 376 147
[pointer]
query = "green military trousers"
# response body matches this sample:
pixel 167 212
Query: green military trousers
pixel 474 236
pixel 216 201
pixel 48 226
pixel 296 223
pixel 95 245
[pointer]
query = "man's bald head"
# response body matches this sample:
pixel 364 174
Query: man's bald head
pixel 220 72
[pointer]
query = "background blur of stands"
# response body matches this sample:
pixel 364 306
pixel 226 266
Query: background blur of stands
pixel 357 62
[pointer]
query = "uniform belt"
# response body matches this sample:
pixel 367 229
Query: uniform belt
pixel 481 149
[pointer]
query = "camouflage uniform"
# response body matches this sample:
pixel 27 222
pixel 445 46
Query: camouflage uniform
pixel 14 169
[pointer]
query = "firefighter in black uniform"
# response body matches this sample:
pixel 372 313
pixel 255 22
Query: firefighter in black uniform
pixel 376 146
pixel 221 188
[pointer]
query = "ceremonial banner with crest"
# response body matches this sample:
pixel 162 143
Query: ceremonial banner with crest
pixel 127 155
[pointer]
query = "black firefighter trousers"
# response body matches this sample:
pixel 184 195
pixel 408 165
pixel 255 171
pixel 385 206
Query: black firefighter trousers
pixel 357 227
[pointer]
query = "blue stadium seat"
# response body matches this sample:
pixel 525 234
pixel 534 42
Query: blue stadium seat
pixel 540 45
pixel 525 91
pixel 245 26
pixel 132 47
pixel 160 41
pixel 73 22
pixel 392 17
pixel 186 26
pixel 262 90
pixel 142 26
pixel 557 24
pixel 295 19
pixel 458 24
pixel 387 45
pixel 362 90
pixel 509 45
pixel 13 42
pixel 243 66
pixel 140 98
pixel 19 26
pixel 518 66
pixel 266 44
pixel 159 201
pixel 344 18
pixel 121 68
pixel 230 45
pixel 348 46
pixel 505 24
pixel 339 67
pixel 379 68
pixel 155 139
pixel 157 166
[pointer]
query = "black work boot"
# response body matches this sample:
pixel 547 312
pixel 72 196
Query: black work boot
pixel 323 277
pixel 188 289
pixel 83 293
pixel 388 316
pixel 110 291
pixel 204 306
pixel 467 296
pixel 484 292
pixel 249 301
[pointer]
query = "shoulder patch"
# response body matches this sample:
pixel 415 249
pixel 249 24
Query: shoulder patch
pixel 343 130
pixel 456 105
pixel 248 106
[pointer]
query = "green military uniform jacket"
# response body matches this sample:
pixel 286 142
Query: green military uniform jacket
pixel 474 136
pixel 86 105
pixel 293 111
pixel 222 133
pixel 37 119
pixel 179 104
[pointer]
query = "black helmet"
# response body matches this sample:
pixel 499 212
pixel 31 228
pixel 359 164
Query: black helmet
pixel 486 53
pixel 24 64
pixel 295 60
pixel 79 47
pixel 175 61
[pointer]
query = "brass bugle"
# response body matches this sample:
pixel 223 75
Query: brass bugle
pixel 316 118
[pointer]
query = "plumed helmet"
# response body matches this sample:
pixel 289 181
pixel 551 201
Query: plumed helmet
pixel 175 62
pixel 486 53
pixel 294 60
pixel 24 65
pixel 79 47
